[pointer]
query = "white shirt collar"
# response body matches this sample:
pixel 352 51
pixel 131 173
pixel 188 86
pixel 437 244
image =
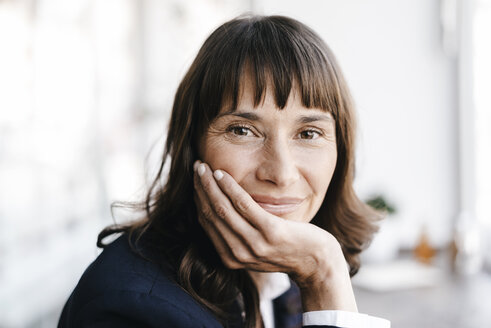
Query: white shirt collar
pixel 269 285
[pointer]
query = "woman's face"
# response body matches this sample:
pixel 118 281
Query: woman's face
pixel 284 159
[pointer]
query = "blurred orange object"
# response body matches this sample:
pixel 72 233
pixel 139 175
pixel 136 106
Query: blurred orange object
pixel 423 251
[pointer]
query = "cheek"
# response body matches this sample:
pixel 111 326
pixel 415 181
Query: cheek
pixel 318 170
pixel 230 158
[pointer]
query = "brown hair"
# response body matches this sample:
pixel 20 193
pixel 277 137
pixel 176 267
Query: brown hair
pixel 278 52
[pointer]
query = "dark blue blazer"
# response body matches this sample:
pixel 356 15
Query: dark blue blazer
pixel 121 289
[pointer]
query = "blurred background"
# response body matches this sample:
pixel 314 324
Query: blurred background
pixel 86 88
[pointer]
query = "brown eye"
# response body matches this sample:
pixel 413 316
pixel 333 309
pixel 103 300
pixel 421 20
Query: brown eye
pixel 240 131
pixel 309 134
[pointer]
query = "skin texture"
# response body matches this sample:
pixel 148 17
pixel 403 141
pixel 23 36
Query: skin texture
pixel 277 154
pixel 263 178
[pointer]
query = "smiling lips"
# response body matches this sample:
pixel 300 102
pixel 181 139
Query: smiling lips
pixel 278 206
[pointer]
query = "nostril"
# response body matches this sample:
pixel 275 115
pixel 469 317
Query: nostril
pixel 279 165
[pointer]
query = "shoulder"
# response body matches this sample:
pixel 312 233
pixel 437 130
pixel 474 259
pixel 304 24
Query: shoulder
pixel 120 286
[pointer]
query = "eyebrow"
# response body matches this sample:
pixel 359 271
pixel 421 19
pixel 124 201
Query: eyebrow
pixel 247 115
pixel 302 119
pixel 314 118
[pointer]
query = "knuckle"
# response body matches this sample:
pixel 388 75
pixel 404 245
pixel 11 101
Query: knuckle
pixel 221 211
pixel 242 256
pixel 231 264
pixel 274 235
pixel 207 213
pixel 243 204
pixel 260 250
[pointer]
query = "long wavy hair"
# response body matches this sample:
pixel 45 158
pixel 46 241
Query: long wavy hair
pixel 278 53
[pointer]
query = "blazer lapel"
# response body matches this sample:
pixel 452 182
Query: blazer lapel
pixel 288 308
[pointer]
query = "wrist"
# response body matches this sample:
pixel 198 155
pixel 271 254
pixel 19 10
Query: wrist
pixel 329 286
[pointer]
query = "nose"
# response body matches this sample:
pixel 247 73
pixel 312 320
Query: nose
pixel 278 165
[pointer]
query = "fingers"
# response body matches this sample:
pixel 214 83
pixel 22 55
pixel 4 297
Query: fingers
pixel 243 202
pixel 245 235
pixel 215 215
pixel 219 204
pixel 220 244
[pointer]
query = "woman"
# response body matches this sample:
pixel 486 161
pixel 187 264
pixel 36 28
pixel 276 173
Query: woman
pixel 261 154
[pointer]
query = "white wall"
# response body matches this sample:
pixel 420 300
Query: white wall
pixel 405 89
pixel 85 86
pixel 390 51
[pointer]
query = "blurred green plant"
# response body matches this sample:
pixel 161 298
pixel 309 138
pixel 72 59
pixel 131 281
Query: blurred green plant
pixel 379 203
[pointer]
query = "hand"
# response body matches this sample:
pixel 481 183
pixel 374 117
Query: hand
pixel 248 237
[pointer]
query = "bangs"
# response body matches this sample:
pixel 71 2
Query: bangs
pixel 277 55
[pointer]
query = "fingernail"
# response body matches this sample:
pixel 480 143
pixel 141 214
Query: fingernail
pixel 201 169
pixel 195 165
pixel 218 174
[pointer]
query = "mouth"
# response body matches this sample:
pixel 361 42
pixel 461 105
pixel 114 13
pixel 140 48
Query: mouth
pixel 278 206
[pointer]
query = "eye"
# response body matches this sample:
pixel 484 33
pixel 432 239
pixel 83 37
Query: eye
pixel 241 131
pixel 309 134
